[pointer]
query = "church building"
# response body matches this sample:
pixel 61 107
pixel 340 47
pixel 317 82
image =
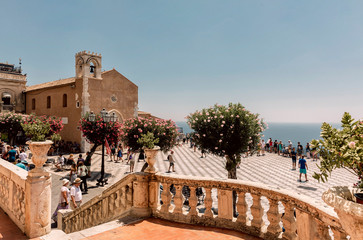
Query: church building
pixel 91 89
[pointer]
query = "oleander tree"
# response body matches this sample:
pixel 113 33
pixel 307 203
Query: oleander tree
pixel 164 131
pixel 227 131
pixel 97 131
pixel 10 123
pixel 340 148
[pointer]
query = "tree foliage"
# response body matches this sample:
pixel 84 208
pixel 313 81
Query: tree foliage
pixel 164 130
pixel 340 148
pixel 227 131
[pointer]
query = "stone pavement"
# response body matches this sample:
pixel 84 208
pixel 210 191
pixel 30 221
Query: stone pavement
pixel 270 169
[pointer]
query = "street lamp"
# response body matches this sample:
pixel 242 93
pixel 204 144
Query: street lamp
pixel 106 117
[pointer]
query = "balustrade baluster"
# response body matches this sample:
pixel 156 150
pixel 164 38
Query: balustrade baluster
pixel 193 201
pixel 129 200
pixel 289 223
pixel 208 202
pixel 257 212
pixel 274 218
pixel 242 208
pixel 178 199
pixel 322 230
pixel 166 198
pixel 123 198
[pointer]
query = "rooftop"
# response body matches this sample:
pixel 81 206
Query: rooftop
pixel 10 68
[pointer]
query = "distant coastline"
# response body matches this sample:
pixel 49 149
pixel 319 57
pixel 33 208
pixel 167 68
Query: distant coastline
pixel 296 132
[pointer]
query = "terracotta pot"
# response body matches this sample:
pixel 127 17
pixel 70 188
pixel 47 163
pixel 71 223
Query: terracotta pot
pixel 150 159
pixel 349 212
pixel 39 151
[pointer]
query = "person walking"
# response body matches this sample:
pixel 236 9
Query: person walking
pixel 299 149
pixel 76 194
pixel 83 173
pixel 73 172
pixel 303 167
pixel 307 149
pixel 171 161
pixel 132 162
pixel 263 146
pixel 113 152
pixel 12 155
pixel 293 158
pixel 87 163
pixel 63 199
pixel 80 159
pixel 119 153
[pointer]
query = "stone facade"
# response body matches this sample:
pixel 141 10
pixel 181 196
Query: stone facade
pixel 90 90
pixel 12 86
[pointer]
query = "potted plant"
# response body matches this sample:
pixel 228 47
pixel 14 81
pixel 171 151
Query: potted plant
pixel 148 141
pixel 163 132
pixel 41 130
pixel 343 148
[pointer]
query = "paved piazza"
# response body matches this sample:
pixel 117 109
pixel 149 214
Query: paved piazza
pixel 270 169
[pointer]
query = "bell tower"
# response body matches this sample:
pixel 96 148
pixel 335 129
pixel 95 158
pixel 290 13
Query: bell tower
pixel 88 65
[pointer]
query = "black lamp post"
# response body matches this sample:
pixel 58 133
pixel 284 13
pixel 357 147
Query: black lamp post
pixel 106 118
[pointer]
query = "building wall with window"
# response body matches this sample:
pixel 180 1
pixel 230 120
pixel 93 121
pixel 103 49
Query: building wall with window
pixel 90 90
pixel 12 86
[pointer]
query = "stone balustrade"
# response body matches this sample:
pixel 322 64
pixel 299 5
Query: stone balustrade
pixel 260 210
pixel 12 192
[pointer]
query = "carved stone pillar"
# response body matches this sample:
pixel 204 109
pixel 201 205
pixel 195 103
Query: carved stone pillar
pixel 154 191
pixel 305 228
pixel 257 213
pixel 289 223
pixel 178 199
pixel 242 208
pixel 225 204
pixel 37 204
pixel 274 218
pixel 193 201
pixel 141 197
pixel 166 198
pixel 208 201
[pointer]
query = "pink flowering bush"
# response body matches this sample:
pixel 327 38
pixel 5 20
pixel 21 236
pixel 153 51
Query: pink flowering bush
pixel 40 128
pixel 164 130
pixel 10 123
pixel 227 131
pixel 340 148
pixel 96 132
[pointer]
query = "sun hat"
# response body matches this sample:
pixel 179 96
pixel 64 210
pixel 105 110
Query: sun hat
pixel 77 180
pixel 65 181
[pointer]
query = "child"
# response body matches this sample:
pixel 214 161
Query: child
pixel 303 167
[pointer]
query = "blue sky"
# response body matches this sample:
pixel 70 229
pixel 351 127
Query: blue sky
pixel 290 61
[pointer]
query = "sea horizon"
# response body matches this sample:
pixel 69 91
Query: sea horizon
pixel 283 131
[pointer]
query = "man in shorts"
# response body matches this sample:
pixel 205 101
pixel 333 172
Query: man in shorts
pixel 303 167
pixel 171 161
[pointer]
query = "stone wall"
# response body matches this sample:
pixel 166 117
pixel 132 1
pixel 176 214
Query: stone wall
pixel 12 192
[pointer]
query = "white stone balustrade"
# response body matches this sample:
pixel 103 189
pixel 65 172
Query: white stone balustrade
pixel 142 194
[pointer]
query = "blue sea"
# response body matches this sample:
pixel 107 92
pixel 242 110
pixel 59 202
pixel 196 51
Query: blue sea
pixel 295 132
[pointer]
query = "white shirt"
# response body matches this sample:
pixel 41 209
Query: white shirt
pixel 61 160
pixel 64 189
pixel 23 156
pixel 76 193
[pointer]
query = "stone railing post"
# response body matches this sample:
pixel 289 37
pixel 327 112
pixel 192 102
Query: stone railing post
pixel 225 204
pixel 274 217
pixel 242 208
pixel 257 213
pixel 141 196
pixel 310 228
pixel 178 199
pixel 289 223
pixel 154 191
pixel 37 204
pixel 193 201
pixel 166 198
pixel 208 201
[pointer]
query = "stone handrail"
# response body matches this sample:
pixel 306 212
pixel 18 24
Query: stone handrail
pixel 257 204
pixel 128 196
pixel 12 192
pixel 264 211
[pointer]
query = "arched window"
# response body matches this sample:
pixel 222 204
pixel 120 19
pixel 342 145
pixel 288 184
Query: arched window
pixel 6 98
pixel 48 102
pixel 64 100
pixel 33 104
